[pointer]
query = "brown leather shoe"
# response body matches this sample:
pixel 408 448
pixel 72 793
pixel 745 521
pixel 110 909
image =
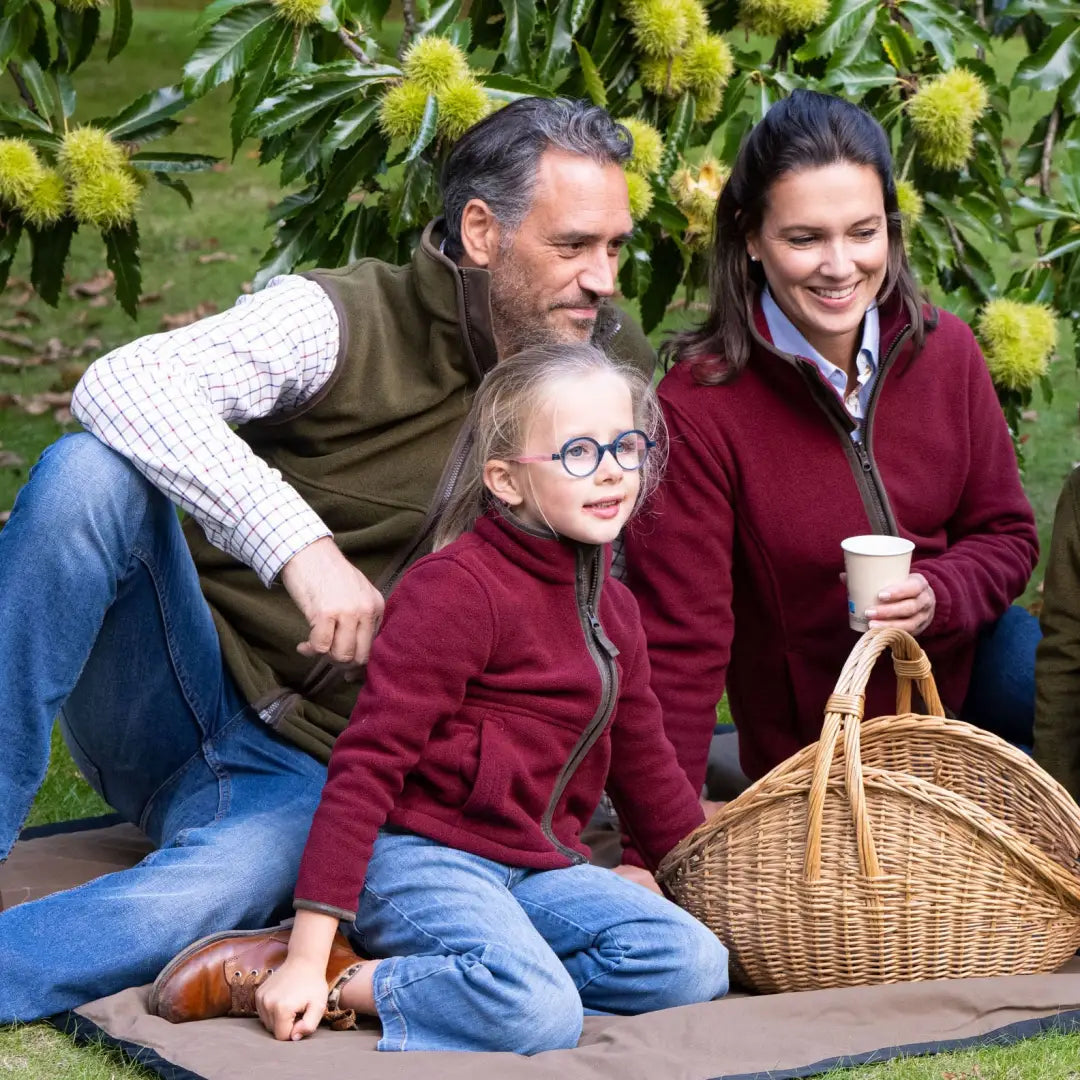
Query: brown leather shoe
pixel 218 975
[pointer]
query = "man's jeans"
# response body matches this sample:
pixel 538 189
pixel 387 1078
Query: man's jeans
pixel 103 622
pixel 489 957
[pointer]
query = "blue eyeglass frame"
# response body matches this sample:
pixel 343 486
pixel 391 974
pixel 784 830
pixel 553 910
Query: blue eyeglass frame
pixel 601 448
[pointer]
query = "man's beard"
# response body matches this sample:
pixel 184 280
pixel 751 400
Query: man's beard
pixel 518 322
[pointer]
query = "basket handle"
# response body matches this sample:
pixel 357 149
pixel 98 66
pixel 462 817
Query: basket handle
pixel 844 712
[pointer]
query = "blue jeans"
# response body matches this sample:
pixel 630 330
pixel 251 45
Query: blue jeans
pixel 1001 694
pixel 105 624
pixel 491 957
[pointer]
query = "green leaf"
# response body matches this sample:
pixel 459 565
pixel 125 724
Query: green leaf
pixel 666 214
pixel 511 87
pixel 1050 11
pixel 214 11
pixel 257 81
pixel 441 17
pixel 174 183
pixel 19 114
pixel 48 252
pixel 66 89
pixel 350 126
pixel 363 234
pixel 1035 210
pixel 677 135
pixel 1063 249
pixel 668 267
pixel 520 18
pixel 38 87
pixel 898 46
pixel 76 33
pixel 288 248
pixel 227 48
pixel 297 108
pixel 594 85
pixel 569 16
pixel 1056 60
pixel 122 258
pixel 302 154
pixel 173 162
pixel 351 167
pixel 146 112
pixel 428 124
pixel 121 31
pixel 859 78
pixel 409 202
pixel 929 27
pixel 635 274
pixel 18 28
pixel 846 19
pixel 10 234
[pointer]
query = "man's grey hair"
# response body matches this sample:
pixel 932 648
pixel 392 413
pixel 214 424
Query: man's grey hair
pixel 497 159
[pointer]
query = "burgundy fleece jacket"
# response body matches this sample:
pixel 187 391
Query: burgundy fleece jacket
pixel 480 686
pixel 737 566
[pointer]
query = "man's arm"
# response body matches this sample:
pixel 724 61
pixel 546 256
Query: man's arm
pixel 166 402
pixel 1057 660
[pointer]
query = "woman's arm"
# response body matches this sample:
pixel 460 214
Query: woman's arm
pixel 993 542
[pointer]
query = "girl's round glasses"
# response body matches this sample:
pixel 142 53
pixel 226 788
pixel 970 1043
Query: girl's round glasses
pixel 582 456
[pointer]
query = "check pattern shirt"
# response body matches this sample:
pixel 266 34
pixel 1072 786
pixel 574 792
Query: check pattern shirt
pixel 166 403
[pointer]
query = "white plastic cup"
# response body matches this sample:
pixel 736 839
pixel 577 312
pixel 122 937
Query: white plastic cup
pixel 872 564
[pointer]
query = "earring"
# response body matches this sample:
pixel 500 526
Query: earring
pixel 754 258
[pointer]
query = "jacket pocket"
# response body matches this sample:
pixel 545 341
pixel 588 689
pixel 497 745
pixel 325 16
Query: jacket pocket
pixel 491 785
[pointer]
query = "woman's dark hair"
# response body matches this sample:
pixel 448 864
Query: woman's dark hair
pixel 804 131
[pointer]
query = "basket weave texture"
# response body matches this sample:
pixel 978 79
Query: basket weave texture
pixel 901 848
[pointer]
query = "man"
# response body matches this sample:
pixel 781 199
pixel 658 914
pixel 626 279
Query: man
pixel 197 676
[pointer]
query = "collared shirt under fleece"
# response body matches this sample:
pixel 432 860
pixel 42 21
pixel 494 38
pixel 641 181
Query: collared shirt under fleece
pixel 482 683
pixel 736 564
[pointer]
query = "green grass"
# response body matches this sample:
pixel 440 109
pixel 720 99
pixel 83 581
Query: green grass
pixel 229 216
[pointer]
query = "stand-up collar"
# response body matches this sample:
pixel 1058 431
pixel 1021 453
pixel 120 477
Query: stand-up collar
pixel 462 294
pixel 540 552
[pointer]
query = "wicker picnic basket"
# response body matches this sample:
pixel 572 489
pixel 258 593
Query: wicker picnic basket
pixel 900 848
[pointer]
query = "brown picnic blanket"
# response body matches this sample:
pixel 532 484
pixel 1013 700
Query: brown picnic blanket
pixel 741 1037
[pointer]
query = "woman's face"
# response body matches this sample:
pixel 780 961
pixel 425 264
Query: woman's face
pixel 824 246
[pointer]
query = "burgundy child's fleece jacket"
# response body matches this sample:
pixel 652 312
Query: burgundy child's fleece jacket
pixel 737 566
pixel 480 686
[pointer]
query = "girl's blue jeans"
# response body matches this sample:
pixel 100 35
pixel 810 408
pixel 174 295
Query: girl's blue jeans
pixel 491 957
pixel 103 619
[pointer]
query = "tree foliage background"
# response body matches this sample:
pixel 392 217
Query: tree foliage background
pixel 358 114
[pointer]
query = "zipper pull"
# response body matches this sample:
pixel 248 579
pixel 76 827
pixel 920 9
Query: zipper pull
pixel 602 639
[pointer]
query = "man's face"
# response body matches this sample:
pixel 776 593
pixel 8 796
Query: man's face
pixel 550 275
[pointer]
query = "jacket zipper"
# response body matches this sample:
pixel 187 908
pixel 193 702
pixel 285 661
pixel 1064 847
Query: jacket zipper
pixel 603 651
pixel 859 454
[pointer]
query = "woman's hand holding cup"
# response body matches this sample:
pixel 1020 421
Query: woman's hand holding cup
pixel 908 605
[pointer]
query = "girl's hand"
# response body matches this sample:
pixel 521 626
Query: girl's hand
pixel 908 605
pixel 293 1000
pixel 639 876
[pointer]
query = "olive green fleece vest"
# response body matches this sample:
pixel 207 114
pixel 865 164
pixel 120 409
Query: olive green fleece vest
pixel 366 454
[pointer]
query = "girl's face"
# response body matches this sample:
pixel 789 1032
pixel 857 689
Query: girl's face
pixel 591 509
pixel 824 246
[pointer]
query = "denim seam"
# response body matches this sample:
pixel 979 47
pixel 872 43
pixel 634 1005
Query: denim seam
pixel 592 936
pixel 405 918
pixel 385 998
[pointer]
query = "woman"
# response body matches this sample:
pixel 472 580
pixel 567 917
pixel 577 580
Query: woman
pixel 820 399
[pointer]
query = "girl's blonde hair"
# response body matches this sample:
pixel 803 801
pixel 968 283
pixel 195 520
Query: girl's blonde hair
pixel 505 404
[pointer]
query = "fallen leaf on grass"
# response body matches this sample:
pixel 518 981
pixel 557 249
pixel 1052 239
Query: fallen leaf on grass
pixel 99 301
pixel 6 399
pixel 155 296
pixel 192 243
pixel 69 376
pixel 99 283
pixel 63 416
pixel 215 257
pixel 10 460
pixel 20 341
pixel 186 318
pixel 220 166
pixel 4 515
pixel 1029 414
pixel 19 361
pixel 39 404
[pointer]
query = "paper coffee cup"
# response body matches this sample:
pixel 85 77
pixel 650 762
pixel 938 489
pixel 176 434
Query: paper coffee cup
pixel 873 563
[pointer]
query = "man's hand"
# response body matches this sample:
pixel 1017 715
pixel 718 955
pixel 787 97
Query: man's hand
pixel 341 606
pixel 711 806
pixel 638 875
pixel 908 605
pixel 293 1000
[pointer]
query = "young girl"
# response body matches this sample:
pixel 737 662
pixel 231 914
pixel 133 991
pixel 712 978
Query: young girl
pixel 508 685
